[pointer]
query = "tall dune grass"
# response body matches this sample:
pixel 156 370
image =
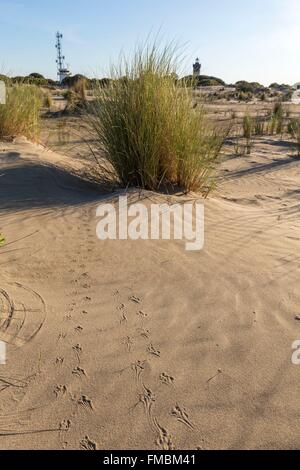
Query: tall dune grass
pixel 248 127
pixel 21 113
pixel 294 131
pixel 147 130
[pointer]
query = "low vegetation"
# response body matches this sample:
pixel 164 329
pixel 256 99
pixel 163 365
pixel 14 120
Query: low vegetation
pixel 21 113
pixel 294 131
pixel 145 126
pixel 248 131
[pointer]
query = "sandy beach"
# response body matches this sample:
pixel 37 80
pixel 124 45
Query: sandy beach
pixel 140 344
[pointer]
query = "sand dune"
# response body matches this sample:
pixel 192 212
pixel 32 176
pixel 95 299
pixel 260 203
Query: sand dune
pixel 140 344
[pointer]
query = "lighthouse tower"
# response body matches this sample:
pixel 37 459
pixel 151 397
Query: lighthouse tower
pixel 197 68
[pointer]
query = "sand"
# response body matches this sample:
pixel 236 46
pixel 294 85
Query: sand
pixel 140 344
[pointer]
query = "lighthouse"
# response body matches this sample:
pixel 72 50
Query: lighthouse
pixel 197 68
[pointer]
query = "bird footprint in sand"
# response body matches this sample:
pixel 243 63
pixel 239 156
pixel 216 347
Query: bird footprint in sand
pixel 65 425
pixel 79 372
pixel 60 390
pixel 78 351
pixel 142 314
pixel 147 398
pixel 128 342
pixel 181 415
pixel 166 379
pixel 138 368
pixel 87 444
pixel 86 402
pixel 153 351
pixel 123 319
pixel 164 440
pixel 144 333
pixel 135 299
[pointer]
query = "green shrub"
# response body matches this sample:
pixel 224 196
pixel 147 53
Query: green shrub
pixel 145 126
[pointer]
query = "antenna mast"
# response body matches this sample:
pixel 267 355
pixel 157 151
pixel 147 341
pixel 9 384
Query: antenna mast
pixel 62 71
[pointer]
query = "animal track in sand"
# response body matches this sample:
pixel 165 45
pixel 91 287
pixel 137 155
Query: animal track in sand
pixel 23 313
pixel 138 368
pixel 128 342
pixel 164 439
pixel 59 361
pixel 147 398
pixel 142 314
pixel 68 317
pixel 144 333
pixel 78 351
pixel 166 379
pixel 79 329
pixel 65 425
pixel 79 372
pixel 86 402
pixel 86 286
pixel 60 391
pixel 153 351
pixel 87 444
pixel 123 319
pixel 61 336
pixel 135 299
pixel 182 416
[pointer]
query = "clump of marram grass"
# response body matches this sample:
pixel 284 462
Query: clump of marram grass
pixel 145 126
pixel 20 115
pixel 76 96
pixel 79 88
pixel 294 131
pixel 47 100
pixel 277 119
pixel 259 126
pixel 248 128
pixel 70 98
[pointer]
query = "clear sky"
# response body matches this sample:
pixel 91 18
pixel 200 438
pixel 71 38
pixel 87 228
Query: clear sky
pixel 257 40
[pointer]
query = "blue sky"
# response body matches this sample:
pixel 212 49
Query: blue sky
pixel 235 39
